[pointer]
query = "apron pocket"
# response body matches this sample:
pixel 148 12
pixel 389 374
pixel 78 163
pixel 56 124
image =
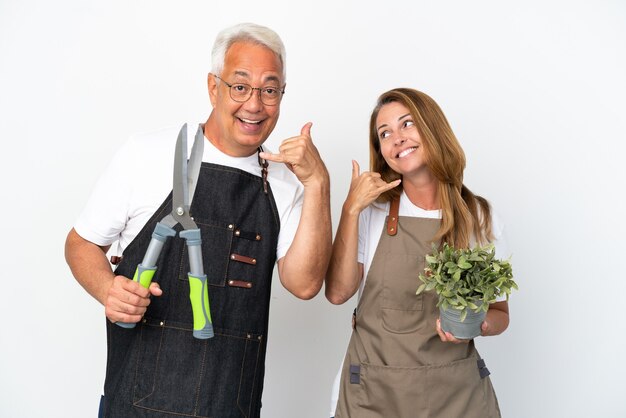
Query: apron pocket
pixel 207 378
pixel 387 391
pixel 402 309
pixel 456 389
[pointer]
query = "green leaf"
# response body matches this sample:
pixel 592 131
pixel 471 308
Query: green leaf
pixel 420 289
pixel 463 263
pixel 450 265
pixel 476 257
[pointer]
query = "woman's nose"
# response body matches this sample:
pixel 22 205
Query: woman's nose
pixel 399 140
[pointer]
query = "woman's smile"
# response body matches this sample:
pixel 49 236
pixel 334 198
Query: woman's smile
pixel 406 152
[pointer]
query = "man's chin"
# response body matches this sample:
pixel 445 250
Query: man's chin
pixel 249 144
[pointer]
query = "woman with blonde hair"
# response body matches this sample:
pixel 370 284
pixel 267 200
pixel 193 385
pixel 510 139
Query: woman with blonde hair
pixel 399 362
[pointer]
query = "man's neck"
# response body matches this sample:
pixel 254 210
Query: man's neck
pixel 213 135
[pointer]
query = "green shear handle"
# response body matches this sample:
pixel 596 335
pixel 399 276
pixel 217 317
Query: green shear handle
pixel 146 269
pixel 198 286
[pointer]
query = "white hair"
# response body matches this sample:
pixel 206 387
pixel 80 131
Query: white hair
pixel 246 32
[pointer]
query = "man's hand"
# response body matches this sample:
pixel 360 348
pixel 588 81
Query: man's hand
pixel 128 300
pixel 302 157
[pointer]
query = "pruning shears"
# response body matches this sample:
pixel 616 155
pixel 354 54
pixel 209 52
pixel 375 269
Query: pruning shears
pixel 185 180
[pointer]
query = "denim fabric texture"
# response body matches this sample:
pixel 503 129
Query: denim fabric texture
pixel 158 369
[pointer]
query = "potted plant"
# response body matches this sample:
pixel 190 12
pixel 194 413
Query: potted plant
pixel 466 282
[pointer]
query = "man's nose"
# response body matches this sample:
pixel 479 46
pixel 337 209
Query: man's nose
pixel 254 104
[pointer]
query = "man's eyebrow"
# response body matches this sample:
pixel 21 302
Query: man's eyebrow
pixel 245 74
pixel 241 73
pixel 272 78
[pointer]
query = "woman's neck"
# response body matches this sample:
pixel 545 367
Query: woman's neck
pixel 422 192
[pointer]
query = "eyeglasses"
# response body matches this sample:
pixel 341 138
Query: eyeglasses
pixel 241 92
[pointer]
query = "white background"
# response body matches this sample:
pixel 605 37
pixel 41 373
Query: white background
pixel 533 89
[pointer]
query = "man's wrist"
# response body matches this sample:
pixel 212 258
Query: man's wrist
pixel 320 182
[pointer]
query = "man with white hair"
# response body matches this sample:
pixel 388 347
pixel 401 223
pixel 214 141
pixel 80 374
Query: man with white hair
pixel 252 208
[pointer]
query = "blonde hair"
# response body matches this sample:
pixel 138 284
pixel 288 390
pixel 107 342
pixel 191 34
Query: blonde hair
pixel 464 214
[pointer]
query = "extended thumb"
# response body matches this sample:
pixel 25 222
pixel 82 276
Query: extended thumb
pixel 356 169
pixel 306 129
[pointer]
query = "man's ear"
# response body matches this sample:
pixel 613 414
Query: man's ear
pixel 212 86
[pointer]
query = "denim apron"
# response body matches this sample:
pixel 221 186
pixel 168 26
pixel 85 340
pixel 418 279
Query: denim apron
pixel 396 365
pixel 158 369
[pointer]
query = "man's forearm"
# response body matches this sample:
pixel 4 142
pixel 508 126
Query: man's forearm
pixel 303 268
pixel 89 265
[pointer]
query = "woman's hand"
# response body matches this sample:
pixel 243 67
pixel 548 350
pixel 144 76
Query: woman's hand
pixel 365 188
pixel 446 337
pixel 496 321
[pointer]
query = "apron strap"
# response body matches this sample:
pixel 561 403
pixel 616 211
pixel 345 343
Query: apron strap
pixel 392 220
pixel 264 164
